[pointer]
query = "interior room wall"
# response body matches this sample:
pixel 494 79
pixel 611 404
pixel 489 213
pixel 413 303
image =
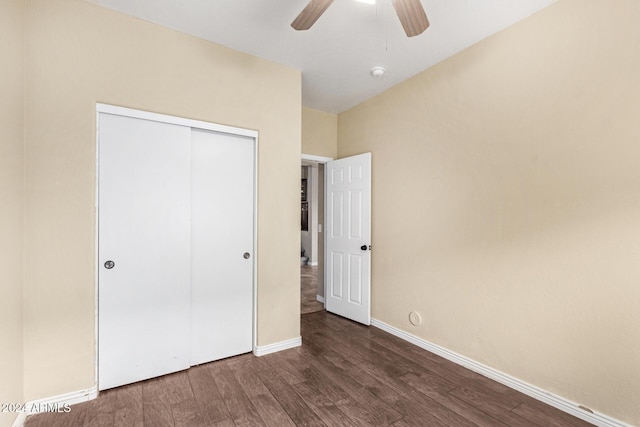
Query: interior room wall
pixel 12 28
pixel 505 202
pixel 319 133
pixel 79 54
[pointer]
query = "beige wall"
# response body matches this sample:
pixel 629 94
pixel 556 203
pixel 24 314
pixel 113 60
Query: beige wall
pixel 319 133
pixel 11 201
pixel 80 54
pixel 506 202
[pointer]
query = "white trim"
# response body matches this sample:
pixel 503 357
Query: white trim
pixel 255 240
pixel 320 298
pixel 182 121
pixel 278 346
pixel 56 401
pixel 96 249
pixel 312 264
pixel 547 397
pixel 314 158
pixel 20 420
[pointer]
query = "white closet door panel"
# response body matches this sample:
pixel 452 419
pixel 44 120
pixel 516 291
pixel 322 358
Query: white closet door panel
pixel 222 232
pixel 144 228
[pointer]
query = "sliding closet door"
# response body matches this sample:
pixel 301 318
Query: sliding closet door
pixel 222 252
pixel 144 249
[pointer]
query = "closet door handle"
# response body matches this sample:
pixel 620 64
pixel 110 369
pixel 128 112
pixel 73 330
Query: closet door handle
pixel 109 265
pixel 246 255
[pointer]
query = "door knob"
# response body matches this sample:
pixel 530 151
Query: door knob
pixel 363 247
pixel 109 265
pixel 246 255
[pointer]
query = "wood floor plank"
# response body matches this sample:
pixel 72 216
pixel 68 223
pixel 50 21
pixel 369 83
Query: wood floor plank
pixel 319 381
pixel 309 290
pixel 211 406
pixel 129 406
pixel 248 363
pixel 430 387
pixel 178 387
pixel 289 400
pixel 251 383
pixel 368 405
pixel 385 371
pixel 186 413
pixel 267 406
pixel 418 407
pixel 104 410
pixel 498 405
pixel 224 423
pixel 75 417
pixel 271 412
pixel 291 374
pixel 322 395
pixel 59 418
pixel 241 410
pixel 325 408
pixel 346 361
pixel 156 408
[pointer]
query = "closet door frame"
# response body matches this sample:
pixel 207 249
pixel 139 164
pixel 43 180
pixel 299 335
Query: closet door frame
pixel 196 124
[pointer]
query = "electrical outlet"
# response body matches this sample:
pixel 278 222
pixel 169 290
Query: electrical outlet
pixel 415 318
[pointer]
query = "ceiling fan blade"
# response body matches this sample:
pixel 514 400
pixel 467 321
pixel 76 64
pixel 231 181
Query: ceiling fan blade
pixel 310 14
pixel 412 16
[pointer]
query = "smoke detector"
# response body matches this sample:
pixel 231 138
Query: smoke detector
pixel 378 71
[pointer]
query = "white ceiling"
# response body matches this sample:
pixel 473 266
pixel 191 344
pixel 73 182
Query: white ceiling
pixel 338 52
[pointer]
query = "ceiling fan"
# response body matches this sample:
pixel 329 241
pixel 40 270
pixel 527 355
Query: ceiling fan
pixel 410 12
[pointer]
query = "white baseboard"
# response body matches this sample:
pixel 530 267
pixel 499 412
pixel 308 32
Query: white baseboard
pixel 56 403
pixel 320 298
pixel 20 419
pixel 312 264
pixel 275 347
pixel 549 398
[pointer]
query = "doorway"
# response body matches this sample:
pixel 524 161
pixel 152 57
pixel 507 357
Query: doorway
pixel 312 233
pixel 343 282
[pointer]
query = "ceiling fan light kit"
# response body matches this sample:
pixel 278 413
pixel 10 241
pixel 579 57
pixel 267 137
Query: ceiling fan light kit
pixel 410 13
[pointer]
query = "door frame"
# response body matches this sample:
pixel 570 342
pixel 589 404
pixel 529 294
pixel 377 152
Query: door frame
pixel 182 121
pixel 321 160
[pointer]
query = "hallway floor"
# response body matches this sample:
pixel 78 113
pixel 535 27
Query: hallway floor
pixel 309 289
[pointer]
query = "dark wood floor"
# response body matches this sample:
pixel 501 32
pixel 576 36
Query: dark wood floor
pixel 309 290
pixel 345 374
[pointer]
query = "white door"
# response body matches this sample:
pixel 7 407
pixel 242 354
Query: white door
pixel 143 250
pixel 175 246
pixel 348 238
pixel 222 245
